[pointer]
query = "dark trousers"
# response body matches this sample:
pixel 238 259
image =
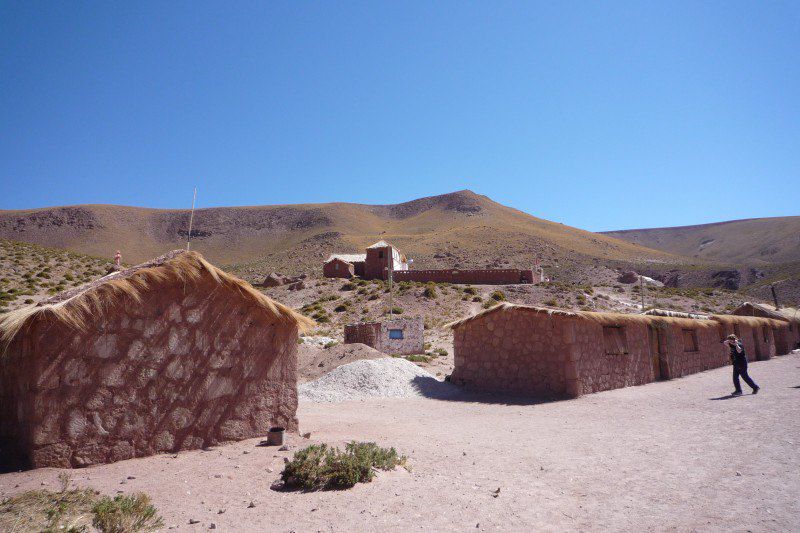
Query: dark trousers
pixel 740 369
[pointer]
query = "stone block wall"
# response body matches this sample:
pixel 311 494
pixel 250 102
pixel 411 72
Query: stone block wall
pixel 188 367
pixel 677 361
pixel 597 370
pixel 514 352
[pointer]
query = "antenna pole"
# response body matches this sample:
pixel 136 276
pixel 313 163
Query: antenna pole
pixel 191 219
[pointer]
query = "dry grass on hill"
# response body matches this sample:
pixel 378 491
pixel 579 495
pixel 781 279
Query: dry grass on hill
pixel 29 273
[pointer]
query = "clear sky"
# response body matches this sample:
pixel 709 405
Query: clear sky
pixel 601 115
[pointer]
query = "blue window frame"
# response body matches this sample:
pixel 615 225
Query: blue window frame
pixel 395 333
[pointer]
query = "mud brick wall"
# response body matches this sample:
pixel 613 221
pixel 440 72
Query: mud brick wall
pixel 507 276
pixel 185 368
pixel 376 335
pixel 752 339
pixel 513 352
pixel 595 370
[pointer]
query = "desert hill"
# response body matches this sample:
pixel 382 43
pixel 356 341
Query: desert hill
pixel 460 229
pixel 756 241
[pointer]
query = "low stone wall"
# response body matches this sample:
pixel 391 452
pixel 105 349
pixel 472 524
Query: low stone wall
pixel 507 276
pixel 377 335
pixel 187 367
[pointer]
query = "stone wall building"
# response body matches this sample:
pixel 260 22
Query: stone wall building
pixel 553 353
pixel 399 336
pixel 170 355
pixel 382 256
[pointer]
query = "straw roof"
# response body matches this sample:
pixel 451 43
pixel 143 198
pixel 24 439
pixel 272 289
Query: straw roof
pixel 784 313
pixel 82 305
pixel 604 319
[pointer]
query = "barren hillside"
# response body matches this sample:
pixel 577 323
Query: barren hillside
pixel 461 229
pixel 753 241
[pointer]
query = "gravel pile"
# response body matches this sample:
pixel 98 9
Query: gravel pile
pixel 377 378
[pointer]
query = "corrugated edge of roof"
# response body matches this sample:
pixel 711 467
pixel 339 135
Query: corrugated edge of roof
pixel 785 313
pixel 78 307
pixel 347 258
pixel 379 244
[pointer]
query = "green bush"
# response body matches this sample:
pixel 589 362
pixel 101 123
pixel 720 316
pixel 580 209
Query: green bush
pixel 320 466
pixel 552 302
pixel 490 303
pixel 349 286
pixel 477 299
pixel 124 514
pixel 498 296
pixel 416 358
pixel 341 308
pixel 394 311
pixel 470 290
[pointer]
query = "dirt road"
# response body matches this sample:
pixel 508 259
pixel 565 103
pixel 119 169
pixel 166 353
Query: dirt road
pixel 660 457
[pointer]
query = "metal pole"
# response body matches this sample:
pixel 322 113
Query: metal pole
pixel 641 289
pixel 191 219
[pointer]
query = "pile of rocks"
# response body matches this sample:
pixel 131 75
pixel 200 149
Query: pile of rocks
pixel 276 280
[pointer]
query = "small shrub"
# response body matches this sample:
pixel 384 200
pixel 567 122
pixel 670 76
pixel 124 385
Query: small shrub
pixel 470 290
pixel 373 297
pixel 126 513
pixel 441 352
pixel 430 292
pixel 490 303
pixel 320 466
pixel 552 302
pixel 498 296
pixel 349 286
pixel 416 358
pixel 394 311
pixel 477 299
pixel 341 308
pixel 330 344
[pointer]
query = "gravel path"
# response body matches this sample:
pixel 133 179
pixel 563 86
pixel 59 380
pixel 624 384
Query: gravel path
pixel 379 378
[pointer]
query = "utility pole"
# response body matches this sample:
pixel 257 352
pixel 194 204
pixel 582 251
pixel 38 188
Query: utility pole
pixel 641 289
pixel 390 262
pixel 191 219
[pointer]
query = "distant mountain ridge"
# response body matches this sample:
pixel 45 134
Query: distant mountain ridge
pixel 749 241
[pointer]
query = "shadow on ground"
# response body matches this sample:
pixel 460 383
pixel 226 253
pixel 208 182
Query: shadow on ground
pixel 434 389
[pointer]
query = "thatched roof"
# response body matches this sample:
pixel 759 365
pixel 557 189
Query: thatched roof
pixel 769 311
pixel 604 319
pixel 752 321
pixel 82 305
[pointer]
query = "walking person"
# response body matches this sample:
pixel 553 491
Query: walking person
pixel 739 361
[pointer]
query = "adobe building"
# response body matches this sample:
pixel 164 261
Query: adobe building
pixel 170 355
pixel 382 256
pixel 552 353
pixel 397 336
pixel 791 316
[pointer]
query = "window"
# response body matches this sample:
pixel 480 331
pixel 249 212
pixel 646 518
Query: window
pixel 336 266
pixel 765 333
pixel 395 333
pixel 689 340
pixel 614 340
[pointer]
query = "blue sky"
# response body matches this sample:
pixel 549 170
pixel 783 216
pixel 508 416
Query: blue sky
pixel 598 115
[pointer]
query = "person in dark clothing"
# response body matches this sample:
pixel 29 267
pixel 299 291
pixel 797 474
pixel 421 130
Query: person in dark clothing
pixel 739 361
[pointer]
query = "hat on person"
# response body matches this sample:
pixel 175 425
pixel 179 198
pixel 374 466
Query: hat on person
pixel 732 337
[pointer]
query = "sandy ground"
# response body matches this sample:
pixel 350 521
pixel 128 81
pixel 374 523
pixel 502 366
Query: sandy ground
pixel 669 456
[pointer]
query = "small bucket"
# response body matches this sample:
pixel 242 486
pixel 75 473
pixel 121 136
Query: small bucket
pixel 275 436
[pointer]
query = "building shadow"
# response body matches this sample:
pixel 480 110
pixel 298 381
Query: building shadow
pixel 434 389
